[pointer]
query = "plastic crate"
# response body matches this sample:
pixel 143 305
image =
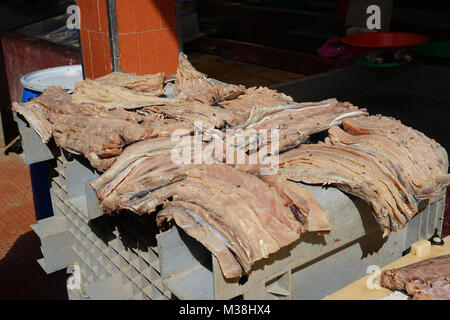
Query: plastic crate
pixel 124 256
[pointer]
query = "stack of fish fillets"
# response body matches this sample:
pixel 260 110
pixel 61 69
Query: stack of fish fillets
pixel 242 212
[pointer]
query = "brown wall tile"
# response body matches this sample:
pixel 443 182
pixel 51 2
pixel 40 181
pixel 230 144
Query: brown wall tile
pixel 149 16
pixel 138 15
pixel 168 14
pixel 158 51
pixel 129 53
pixel 144 47
pixel 89 15
pixel 103 15
pixel 100 50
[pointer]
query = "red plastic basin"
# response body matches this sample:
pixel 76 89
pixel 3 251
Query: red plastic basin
pixel 363 43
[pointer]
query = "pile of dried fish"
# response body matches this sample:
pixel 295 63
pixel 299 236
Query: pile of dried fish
pixel 378 158
pixel 424 280
pixel 130 130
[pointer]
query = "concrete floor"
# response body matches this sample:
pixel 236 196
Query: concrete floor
pixel 21 276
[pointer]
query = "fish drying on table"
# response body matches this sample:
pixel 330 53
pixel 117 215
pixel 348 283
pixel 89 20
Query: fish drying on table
pixel 106 114
pixel 113 97
pixel 129 130
pixel 132 181
pixel 149 84
pixel 196 112
pixel 101 140
pixel 37 117
pixel 253 97
pixel 420 163
pixel 436 289
pixel 139 176
pixel 297 121
pixel 192 85
pixel 217 204
pixel 428 279
pixel 243 214
pixel 379 164
pixel 354 172
pixel 98 133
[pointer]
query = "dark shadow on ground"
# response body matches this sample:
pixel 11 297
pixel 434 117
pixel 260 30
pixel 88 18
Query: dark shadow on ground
pixel 22 278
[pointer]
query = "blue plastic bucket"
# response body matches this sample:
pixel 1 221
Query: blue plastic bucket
pixel 34 84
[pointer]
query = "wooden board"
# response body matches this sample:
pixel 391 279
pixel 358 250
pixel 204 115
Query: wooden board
pixel 359 290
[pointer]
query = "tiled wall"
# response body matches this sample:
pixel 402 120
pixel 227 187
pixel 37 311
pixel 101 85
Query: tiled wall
pixel 147 36
pixel 95 38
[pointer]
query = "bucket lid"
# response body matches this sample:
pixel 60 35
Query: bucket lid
pixel 65 77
